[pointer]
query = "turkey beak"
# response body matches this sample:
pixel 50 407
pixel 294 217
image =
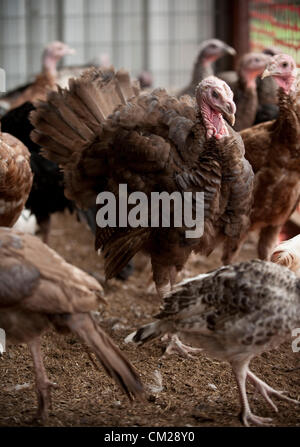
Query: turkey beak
pixel 228 112
pixel 230 50
pixel 69 50
pixel 266 73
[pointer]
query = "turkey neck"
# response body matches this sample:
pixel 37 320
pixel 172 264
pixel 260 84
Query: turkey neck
pixel 201 70
pixel 227 148
pixel 49 65
pixel 286 127
pixel 196 143
pixel 246 101
pixel 266 91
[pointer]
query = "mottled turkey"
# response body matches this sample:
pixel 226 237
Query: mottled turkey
pixel 233 314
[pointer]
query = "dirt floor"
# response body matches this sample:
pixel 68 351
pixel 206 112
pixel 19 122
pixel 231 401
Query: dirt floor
pixel 182 392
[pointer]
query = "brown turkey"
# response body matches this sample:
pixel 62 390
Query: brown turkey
pixel 15 178
pixel 273 150
pixel 103 134
pixel 244 90
pixel 40 290
pixel 209 51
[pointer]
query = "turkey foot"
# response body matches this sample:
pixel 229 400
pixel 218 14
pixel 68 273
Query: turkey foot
pixel 266 391
pixel 177 347
pixel 248 417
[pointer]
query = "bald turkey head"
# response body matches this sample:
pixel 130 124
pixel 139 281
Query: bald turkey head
pixel 283 69
pixel 215 101
pixel 53 53
pixel 213 49
pixel 252 65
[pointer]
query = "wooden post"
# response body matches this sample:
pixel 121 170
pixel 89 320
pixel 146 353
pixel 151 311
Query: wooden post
pixel 241 26
pixel 232 26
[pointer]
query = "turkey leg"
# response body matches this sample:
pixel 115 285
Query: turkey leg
pixel 43 384
pixel 268 239
pixel 44 224
pixel 240 370
pixel 162 278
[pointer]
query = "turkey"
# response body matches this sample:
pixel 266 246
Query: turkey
pixel 44 81
pixel 273 150
pixel 39 290
pixel 15 178
pixel 267 88
pixel 233 314
pixel 245 97
pixel 209 51
pixel 104 134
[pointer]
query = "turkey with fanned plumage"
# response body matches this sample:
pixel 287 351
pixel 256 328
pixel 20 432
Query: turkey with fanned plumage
pixel 104 133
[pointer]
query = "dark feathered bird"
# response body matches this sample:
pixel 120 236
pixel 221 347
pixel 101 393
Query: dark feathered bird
pixel 234 314
pixel 47 194
pixel 104 133
pixel 39 290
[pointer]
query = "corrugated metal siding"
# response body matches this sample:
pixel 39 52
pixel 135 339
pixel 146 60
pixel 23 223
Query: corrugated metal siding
pixel 159 35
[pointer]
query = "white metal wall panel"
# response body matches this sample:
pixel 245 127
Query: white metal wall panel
pixel 160 35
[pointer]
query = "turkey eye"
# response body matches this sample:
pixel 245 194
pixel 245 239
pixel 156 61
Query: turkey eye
pixel 285 64
pixel 215 94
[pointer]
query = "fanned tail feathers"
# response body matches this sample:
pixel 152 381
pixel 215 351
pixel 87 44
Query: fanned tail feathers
pixel 147 332
pixel 110 356
pixel 71 119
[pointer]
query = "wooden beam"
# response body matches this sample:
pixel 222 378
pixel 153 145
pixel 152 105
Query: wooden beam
pixel 232 26
pixel 241 26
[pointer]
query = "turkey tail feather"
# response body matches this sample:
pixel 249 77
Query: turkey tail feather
pixel 73 118
pixel 148 332
pixel 110 356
